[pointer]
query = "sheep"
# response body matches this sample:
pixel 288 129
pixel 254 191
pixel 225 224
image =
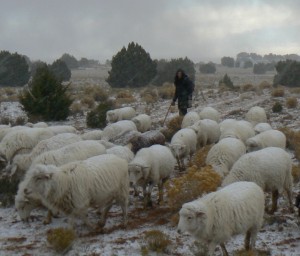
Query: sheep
pixel 214 218
pixel 124 138
pixel 270 168
pixel 225 124
pixel 62 129
pixel 122 152
pixel 81 150
pixel 270 138
pixel 119 114
pixel 207 130
pixel 151 166
pixel 261 127
pixel 146 139
pixel 183 143
pixel 256 115
pixel 189 119
pixel 23 140
pixel 5 130
pixel 241 129
pixel 22 162
pixel 224 154
pixel 72 188
pixel 116 129
pixel 92 135
pixel 143 122
pixel 37 125
pixel 210 113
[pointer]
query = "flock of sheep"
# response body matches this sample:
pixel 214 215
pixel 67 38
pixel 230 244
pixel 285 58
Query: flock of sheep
pixel 68 172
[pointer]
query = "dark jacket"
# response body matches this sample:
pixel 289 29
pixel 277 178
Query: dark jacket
pixel 184 88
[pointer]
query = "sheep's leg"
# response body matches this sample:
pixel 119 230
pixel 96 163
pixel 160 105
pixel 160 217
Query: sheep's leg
pixel 247 240
pixel 104 211
pixel 123 202
pixel 136 191
pixel 179 164
pixel 275 195
pixel 211 249
pixel 48 218
pixel 147 199
pixel 224 251
pixel 182 165
pixel 289 195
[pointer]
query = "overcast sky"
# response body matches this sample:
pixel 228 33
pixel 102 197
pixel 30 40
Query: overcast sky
pixel 202 30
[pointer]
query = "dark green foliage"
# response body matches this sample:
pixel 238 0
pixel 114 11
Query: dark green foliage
pixel 86 63
pixel 259 68
pixel 166 70
pixel 226 81
pixel 97 118
pixel 35 65
pixel 277 107
pixel 248 64
pixel 131 67
pixel 228 62
pixel 70 61
pixel 14 70
pixel 209 68
pixel 61 70
pixel 288 73
pixel 47 97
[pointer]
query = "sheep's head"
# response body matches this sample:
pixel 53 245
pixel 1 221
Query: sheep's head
pixel 137 173
pixel 252 145
pixel 110 116
pixel 137 123
pixel 24 205
pixel 178 150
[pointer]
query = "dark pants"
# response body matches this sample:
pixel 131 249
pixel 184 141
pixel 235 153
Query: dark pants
pixel 182 111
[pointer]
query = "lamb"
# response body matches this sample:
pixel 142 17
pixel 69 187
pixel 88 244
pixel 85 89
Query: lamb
pixel 121 151
pixel 261 127
pixel 183 143
pixel 210 113
pixel 270 168
pixel 207 130
pixel 224 154
pixel 189 119
pixel 217 216
pixel 72 188
pixel 62 129
pixel 22 162
pixel 119 114
pixel 92 135
pixel 143 122
pixel 81 150
pixel 151 166
pixel 241 129
pixel 256 115
pixel 116 129
pixel 146 139
pixel 23 140
pixel 269 138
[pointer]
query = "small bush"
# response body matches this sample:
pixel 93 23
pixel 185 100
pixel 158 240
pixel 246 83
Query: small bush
pixel 76 108
pixel 226 81
pixel 293 140
pixel 124 97
pixel 61 239
pixel 265 85
pixel 291 102
pixel 89 101
pixel 5 120
pixel 98 93
pixel 149 95
pixel 173 126
pixel 248 88
pixel 278 92
pixel 97 118
pixel 277 107
pixel 166 91
pixel 155 241
pixel 191 186
pixel 20 120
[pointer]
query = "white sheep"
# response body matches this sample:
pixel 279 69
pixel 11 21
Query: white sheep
pixel 116 129
pixel 224 154
pixel 122 152
pixel 210 113
pixel 62 129
pixel 241 129
pixel 143 122
pixel 270 168
pixel 92 135
pixel 261 127
pixel 119 114
pixel 256 115
pixel 183 144
pixel 226 123
pixel 269 138
pixel 7 129
pixel 22 162
pixel 217 216
pixel 99 181
pixel 189 119
pixel 150 167
pixel 21 141
pixel 207 130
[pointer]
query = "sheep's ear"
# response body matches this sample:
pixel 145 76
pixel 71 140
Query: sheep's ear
pixel 43 176
pixel 146 169
pixel 13 170
pixel 200 214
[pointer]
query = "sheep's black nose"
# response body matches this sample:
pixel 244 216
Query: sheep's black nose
pixel 178 231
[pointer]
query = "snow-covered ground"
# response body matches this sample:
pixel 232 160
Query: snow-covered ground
pixel 280 235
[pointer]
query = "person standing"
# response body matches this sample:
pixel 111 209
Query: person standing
pixel 184 88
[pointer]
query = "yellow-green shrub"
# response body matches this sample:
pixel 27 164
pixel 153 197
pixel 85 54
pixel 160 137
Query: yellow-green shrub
pixel 293 140
pixel 200 156
pixel 291 102
pixel 155 241
pixel 278 92
pixel 61 239
pixel 166 91
pixel 173 126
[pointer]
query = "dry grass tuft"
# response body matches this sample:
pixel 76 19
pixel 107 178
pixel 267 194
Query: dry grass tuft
pixel 293 140
pixel 191 185
pixel 98 93
pixel 166 91
pixel 149 95
pixel 199 157
pixel 291 102
pixel 155 241
pixel 265 85
pixel 278 92
pixel 173 126
pixel 61 239
pixel 296 173
pixel 248 88
pixel 124 97
pixel 88 101
pixel 76 108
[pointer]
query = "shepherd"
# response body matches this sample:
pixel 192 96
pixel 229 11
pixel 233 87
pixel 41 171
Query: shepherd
pixel 184 88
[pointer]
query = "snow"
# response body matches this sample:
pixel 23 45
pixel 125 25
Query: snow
pixel 280 233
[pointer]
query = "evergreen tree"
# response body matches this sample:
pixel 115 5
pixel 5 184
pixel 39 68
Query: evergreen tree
pixel 46 98
pixel 259 68
pixel 61 70
pixel 226 81
pixel 70 61
pixel 14 70
pixel 131 67
pixel 209 68
pixel 288 73
pixel 228 62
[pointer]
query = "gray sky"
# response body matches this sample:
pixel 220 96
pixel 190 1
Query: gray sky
pixel 202 30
